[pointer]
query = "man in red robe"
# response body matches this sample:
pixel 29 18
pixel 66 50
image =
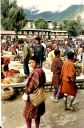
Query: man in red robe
pixel 56 69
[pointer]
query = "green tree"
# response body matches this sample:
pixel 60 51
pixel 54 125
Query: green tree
pixel 63 25
pixel 54 25
pixel 13 17
pixel 74 28
pixel 4 8
pixel 41 23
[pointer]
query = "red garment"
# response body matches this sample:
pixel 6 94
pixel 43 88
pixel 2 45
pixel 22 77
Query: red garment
pixel 68 72
pixel 56 69
pixel 36 79
pixel 69 88
pixel 29 121
pixel 6 61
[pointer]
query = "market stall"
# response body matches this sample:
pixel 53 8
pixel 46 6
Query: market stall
pixel 79 79
pixel 18 66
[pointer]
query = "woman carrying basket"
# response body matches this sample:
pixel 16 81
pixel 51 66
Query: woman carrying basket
pixel 36 79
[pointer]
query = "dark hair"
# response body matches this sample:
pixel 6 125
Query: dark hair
pixel 35 58
pixel 20 41
pixel 57 52
pixel 70 55
pixel 38 38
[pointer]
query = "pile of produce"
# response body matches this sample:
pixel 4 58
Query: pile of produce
pixel 11 72
pixel 78 69
pixel 6 81
pixel 17 78
pixel 13 76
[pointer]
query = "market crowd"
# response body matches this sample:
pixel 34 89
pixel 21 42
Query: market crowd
pixel 59 56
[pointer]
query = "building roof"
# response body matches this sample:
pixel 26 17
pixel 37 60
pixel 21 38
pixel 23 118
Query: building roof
pixel 8 32
pixel 34 29
pixel 58 31
pixel 48 30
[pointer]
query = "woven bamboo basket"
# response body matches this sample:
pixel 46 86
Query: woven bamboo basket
pixel 6 93
pixel 17 78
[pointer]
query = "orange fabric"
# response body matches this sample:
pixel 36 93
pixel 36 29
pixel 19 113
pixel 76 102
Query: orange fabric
pixel 69 88
pixel 68 72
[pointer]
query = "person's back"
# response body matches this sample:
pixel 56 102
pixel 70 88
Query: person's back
pixel 67 68
pixel 68 75
pixel 26 51
pixel 56 69
pixel 26 55
pixel 39 50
